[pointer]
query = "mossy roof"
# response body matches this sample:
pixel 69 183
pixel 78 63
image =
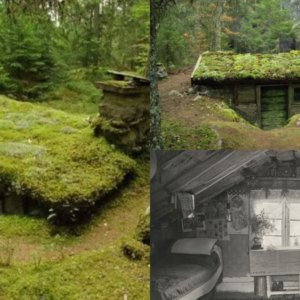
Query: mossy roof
pixel 53 156
pixel 219 66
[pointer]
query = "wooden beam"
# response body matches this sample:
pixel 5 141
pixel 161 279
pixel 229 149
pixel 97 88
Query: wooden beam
pixel 240 160
pixel 195 154
pixel 179 165
pixel 185 180
pixel 159 196
pixel 223 185
pixel 196 66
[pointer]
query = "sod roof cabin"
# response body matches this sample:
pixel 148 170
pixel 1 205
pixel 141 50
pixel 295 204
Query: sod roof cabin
pixel 264 87
pixel 51 160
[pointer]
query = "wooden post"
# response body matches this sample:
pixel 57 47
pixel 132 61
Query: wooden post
pixel 236 94
pixel 258 101
pixel 290 99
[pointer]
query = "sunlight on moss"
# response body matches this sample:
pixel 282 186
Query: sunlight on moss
pixel 219 66
pixel 57 159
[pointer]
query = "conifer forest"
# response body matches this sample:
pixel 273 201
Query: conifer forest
pixel 74 149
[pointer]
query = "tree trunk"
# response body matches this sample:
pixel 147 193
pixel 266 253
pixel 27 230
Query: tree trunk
pixel 218 27
pixel 156 142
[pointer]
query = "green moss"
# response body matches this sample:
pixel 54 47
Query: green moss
pixel 103 274
pixel 48 165
pixel 181 135
pixel 227 66
pixel 135 250
pixel 119 83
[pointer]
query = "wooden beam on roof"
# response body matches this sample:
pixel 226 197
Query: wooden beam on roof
pixel 186 179
pixel 196 66
pixel 220 171
pixel 180 164
pixel 223 185
pixel 159 196
pixel 158 214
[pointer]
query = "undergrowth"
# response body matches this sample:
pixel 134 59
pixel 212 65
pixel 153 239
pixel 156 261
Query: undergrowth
pixel 180 135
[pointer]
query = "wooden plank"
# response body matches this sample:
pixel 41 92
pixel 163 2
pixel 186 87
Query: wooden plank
pixel 274 106
pixel 223 169
pixel 271 127
pixel 159 196
pixel 272 100
pixel 236 94
pixel 272 91
pixel 196 66
pixel 131 75
pixel 239 160
pixel 258 101
pixel 223 185
pixel 274 121
pixel 273 114
pixel 174 166
pixel 183 181
pixel 290 99
pixel 155 215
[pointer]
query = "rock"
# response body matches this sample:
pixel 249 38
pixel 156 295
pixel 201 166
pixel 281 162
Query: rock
pixel 175 93
pixel 172 66
pixel 197 98
pixel 191 91
pixel 161 72
pixel 219 143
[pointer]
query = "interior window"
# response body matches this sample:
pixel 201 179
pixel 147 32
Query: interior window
pixel 274 210
pixel 280 214
pixel 297 94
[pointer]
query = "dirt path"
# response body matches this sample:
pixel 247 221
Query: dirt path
pixel 114 222
pixel 181 117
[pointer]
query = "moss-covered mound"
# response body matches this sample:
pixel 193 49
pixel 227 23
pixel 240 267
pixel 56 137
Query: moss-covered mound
pixel 220 66
pixel 137 246
pixel 52 157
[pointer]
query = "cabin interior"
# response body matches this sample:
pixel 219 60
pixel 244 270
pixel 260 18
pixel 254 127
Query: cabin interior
pixel 225 224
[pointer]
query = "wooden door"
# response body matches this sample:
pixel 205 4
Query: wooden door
pixel 274 107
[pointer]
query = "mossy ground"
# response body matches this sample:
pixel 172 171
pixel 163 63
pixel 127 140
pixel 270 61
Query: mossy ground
pixel 226 65
pixel 183 119
pixel 52 263
pixel 53 156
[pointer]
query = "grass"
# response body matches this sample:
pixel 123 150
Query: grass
pixel 53 157
pixel 181 135
pixel 75 97
pixel 220 66
pixel 103 274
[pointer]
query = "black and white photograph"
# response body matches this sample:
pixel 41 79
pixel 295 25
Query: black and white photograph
pixel 248 248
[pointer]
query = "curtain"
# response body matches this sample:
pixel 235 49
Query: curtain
pixel 278 204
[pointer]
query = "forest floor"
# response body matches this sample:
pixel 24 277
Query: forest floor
pixel 43 261
pixel 208 123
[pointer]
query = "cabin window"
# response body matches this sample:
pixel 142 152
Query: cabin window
pixel 284 212
pixel 297 94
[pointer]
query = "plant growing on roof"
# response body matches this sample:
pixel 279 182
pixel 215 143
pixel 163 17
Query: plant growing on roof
pixel 261 224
